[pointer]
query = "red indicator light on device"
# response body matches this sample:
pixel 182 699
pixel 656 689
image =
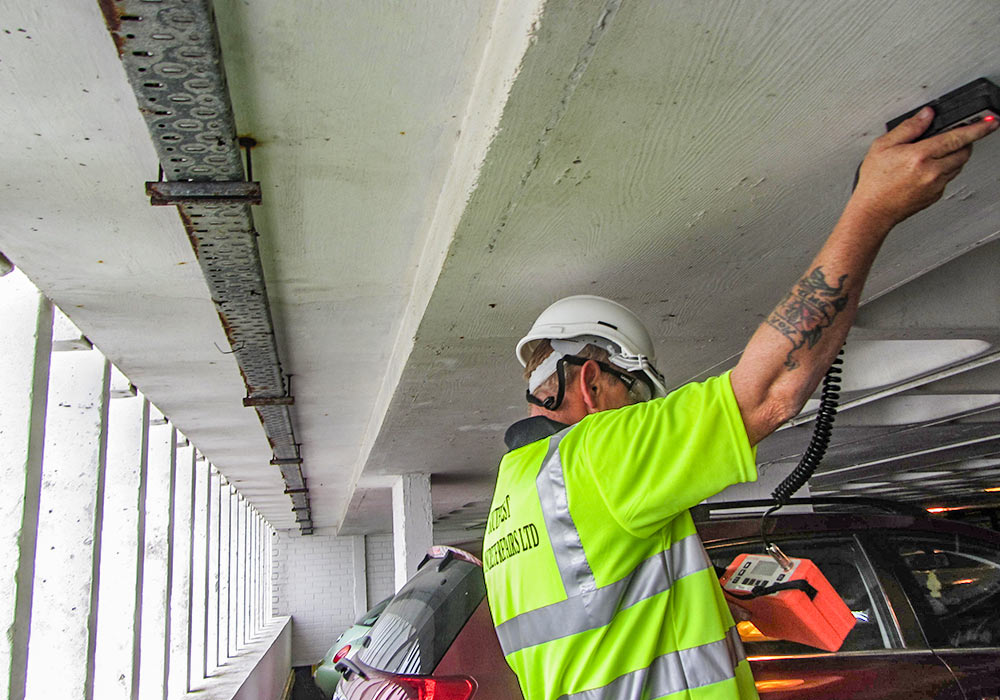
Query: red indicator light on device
pixel 989 118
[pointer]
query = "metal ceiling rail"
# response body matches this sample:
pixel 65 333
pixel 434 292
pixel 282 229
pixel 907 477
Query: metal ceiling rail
pixel 171 53
pixel 900 387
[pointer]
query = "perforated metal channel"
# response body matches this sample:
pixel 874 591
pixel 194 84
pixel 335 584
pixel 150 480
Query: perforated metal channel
pixel 170 50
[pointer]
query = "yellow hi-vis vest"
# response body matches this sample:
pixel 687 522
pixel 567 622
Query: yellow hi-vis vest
pixel 598 583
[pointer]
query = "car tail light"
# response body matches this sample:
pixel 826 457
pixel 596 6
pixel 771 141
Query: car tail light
pixel 440 688
pixel 342 653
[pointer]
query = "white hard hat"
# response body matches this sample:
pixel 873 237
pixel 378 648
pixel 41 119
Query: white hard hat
pixel 592 319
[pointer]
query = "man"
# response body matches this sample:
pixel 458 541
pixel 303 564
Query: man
pixel 598 584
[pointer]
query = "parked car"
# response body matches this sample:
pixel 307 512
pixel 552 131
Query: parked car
pixel 325 674
pixel 925 593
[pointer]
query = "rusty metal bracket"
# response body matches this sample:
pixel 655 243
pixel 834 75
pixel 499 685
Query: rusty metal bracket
pixel 165 193
pixel 171 53
pixel 269 401
pixel 288 461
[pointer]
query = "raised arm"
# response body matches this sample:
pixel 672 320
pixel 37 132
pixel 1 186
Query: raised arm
pixel 789 353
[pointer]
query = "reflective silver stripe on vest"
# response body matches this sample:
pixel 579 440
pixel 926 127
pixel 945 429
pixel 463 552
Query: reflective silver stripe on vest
pixel 577 576
pixel 586 606
pixel 674 672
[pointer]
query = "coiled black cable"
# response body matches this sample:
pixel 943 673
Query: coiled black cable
pixel 816 450
pixel 814 453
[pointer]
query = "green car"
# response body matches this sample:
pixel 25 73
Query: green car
pixel 325 675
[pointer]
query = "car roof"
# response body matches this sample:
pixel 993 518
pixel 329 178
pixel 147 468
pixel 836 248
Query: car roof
pixel 736 520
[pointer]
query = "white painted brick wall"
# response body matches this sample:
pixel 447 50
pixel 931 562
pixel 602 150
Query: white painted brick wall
pixel 381 573
pixel 313 582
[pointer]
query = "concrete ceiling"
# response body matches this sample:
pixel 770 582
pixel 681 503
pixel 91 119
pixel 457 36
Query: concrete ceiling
pixel 435 174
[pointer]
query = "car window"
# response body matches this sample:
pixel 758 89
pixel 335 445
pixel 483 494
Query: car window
pixel 421 621
pixel 843 564
pixel 955 588
pixel 370 616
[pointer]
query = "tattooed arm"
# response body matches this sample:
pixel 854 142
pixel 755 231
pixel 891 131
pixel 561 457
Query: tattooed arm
pixel 788 355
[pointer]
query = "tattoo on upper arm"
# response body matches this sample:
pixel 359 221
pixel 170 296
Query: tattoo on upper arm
pixel 812 306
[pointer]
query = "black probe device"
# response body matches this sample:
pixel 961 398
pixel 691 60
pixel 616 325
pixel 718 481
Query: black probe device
pixel 973 102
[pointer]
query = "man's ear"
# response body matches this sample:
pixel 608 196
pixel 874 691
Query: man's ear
pixel 589 385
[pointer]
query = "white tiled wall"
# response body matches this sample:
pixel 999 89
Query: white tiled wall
pixel 314 583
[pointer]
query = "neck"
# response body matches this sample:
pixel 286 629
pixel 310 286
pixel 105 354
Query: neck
pixel 567 414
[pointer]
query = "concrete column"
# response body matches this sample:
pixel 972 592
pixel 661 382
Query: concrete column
pixel 259 587
pixel 118 621
pixel 258 574
pixel 212 609
pixel 198 590
pixel 225 570
pixel 25 345
pixel 180 566
pixel 157 583
pixel 68 554
pixel 359 566
pixel 140 554
pixel 233 588
pixel 411 523
pixel 241 573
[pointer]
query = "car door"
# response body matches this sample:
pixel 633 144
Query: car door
pixel 953 583
pixel 873 661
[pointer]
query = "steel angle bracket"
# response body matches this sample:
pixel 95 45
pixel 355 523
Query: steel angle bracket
pixel 172 57
pixel 163 193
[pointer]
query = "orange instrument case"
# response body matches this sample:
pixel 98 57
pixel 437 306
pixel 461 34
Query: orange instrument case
pixel 801 606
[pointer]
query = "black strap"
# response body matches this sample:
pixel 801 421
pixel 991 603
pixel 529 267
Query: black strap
pixel 551 403
pixel 761 590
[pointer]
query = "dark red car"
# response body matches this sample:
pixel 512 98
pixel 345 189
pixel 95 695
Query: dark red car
pixel 925 594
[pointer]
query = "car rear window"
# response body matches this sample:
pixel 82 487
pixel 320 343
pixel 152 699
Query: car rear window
pixel 421 621
pixel 370 616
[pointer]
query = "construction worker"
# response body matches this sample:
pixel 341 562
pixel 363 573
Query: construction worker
pixel 598 584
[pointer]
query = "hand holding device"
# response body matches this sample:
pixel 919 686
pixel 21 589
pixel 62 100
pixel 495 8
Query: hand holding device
pixel 907 168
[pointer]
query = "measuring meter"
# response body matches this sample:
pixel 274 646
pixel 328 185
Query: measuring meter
pixel 788 600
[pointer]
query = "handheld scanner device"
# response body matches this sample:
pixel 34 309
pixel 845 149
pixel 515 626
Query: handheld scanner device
pixel 793 602
pixel 973 102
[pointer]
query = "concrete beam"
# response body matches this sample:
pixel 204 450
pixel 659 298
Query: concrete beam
pixel 412 531
pixel 25 345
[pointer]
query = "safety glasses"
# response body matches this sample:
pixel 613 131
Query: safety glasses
pixel 638 389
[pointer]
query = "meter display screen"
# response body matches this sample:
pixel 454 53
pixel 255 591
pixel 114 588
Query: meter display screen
pixel 764 569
